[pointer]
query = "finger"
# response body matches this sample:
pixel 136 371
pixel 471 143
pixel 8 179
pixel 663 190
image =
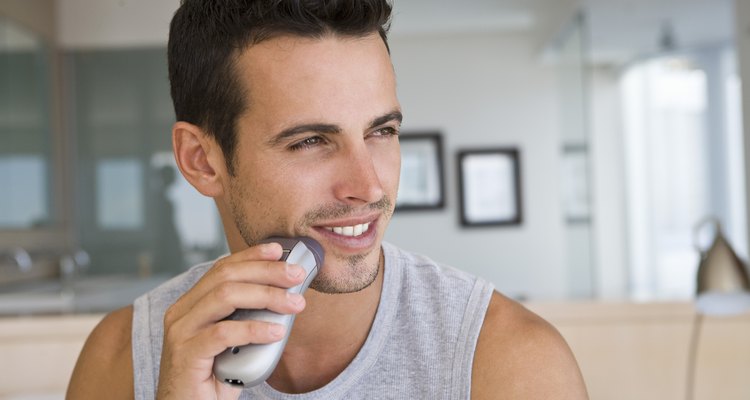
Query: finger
pixel 264 251
pixel 263 271
pixel 229 296
pixel 213 340
pixel 269 273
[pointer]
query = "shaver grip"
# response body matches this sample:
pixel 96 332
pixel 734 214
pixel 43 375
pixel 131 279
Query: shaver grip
pixel 252 364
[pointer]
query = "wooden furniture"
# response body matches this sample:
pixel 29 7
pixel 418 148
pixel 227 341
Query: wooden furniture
pixel 625 351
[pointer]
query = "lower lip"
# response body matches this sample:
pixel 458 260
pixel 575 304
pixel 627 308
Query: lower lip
pixel 350 243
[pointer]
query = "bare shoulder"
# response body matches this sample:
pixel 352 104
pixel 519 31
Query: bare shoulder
pixel 105 367
pixel 521 356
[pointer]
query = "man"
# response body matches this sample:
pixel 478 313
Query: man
pixel 288 117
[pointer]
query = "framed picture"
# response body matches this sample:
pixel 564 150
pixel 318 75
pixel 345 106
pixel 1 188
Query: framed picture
pixel 490 187
pixel 421 186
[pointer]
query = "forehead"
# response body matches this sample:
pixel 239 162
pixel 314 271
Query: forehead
pixel 291 79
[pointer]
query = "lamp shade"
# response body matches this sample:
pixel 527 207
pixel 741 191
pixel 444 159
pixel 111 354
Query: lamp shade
pixel 723 286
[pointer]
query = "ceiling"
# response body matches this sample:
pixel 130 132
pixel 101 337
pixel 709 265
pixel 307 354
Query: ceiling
pixel 450 16
pixel 623 29
pixel 619 30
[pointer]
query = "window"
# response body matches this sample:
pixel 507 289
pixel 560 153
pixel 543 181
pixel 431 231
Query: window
pixel 681 153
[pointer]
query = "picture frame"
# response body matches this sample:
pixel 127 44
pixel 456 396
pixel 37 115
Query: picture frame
pixel 490 187
pixel 422 182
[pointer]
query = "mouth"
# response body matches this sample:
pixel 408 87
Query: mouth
pixel 350 236
pixel 350 231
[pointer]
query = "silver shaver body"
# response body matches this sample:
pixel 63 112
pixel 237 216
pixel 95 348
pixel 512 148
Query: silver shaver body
pixel 252 364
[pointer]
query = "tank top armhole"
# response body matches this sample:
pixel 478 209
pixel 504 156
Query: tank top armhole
pixel 143 381
pixel 476 309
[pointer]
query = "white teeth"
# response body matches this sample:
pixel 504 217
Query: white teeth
pixel 351 231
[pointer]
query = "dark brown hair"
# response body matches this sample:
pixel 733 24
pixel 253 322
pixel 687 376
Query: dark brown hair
pixel 207 36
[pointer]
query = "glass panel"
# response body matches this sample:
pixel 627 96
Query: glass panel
pixel 24 199
pixel 575 159
pixel 119 194
pixel 136 214
pixel 24 129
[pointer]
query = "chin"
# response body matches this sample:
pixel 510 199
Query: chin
pixel 353 274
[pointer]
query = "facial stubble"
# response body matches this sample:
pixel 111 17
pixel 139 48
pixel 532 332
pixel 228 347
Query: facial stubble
pixel 359 273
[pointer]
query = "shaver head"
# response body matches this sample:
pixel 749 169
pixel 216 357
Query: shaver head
pixel 288 245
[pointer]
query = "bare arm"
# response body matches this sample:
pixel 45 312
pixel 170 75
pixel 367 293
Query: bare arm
pixel 105 367
pixel 194 330
pixel 521 356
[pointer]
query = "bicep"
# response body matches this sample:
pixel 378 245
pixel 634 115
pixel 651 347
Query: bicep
pixel 105 368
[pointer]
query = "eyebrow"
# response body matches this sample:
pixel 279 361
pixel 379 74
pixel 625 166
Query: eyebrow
pixel 322 128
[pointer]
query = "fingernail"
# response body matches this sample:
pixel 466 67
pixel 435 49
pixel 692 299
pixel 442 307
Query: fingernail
pixel 268 248
pixel 276 330
pixel 295 299
pixel 294 271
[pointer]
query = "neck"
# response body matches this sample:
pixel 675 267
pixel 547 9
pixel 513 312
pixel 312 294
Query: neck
pixel 326 337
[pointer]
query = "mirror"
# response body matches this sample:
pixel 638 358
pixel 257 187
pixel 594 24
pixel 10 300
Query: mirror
pixel 25 129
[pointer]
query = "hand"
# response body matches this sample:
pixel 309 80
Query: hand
pixel 195 330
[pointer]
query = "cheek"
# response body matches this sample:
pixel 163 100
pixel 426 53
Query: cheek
pixel 388 167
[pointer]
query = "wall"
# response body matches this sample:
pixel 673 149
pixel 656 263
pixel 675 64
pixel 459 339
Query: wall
pixel 742 24
pixel 486 90
pixel 608 190
pixel 37 15
pixel 114 23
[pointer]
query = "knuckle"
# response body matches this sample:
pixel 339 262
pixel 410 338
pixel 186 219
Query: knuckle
pixel 270 268
pixel 257 330
pixel 223 292
pixel 225 273
pixel 221 333
pixel 269 293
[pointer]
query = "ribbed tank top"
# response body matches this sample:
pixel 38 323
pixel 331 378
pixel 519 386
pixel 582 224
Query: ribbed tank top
pixel 421 344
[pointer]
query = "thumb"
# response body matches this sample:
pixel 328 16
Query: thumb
pixel 226 392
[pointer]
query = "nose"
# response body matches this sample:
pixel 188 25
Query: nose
pixel 358 181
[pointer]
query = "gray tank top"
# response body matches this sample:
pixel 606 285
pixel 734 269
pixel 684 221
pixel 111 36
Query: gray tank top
pixel 421 344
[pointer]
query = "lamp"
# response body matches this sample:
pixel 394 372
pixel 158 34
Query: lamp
pixel 722 289
pixel 723 286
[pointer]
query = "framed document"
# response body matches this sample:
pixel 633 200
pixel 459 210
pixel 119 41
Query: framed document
pixel 421 186
pixel 490 187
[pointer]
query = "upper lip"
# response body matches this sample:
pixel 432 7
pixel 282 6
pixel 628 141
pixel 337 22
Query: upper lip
pixel 351 221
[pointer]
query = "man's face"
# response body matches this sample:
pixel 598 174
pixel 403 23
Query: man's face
pixel 317 153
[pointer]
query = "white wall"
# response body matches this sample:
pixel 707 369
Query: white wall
pixel 36 15
pixel 114 23
pixel 742 23
pixel 487 90
pixel 608 177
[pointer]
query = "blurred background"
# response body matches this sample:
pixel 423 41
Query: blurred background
pixel 626 115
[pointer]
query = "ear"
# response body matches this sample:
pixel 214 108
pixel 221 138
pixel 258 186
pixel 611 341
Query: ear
pixel 199 158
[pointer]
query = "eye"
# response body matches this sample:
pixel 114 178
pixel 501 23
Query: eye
pixel 387 131
pixel 307 143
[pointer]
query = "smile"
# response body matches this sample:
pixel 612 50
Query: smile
pixel 352 231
